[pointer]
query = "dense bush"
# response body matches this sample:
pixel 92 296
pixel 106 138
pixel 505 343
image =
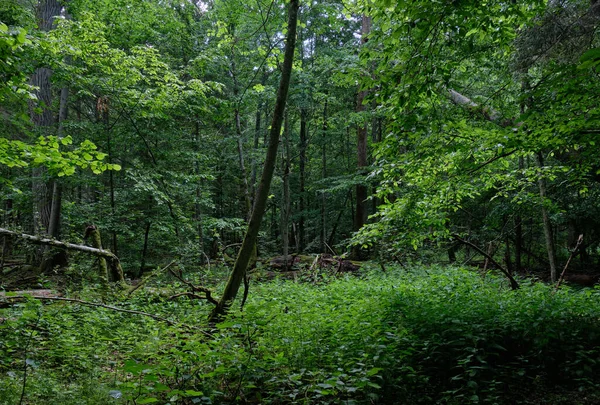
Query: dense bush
pixel 422 336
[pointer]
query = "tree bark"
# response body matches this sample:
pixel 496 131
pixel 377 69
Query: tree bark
pixel 43 120
pixel 285 206
pixel 93 235
pixel 548 234
pixel 301 237
pixel 302 202
pixel 322 234
pixel 59 244
pixel 361 141
pixel 248 245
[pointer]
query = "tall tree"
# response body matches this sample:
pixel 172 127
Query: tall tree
pixel 239 270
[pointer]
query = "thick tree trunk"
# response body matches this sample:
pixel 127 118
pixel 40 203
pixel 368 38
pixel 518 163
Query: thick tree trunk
pixel 43 120
pixel 248 245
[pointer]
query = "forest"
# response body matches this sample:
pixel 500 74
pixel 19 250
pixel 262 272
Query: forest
pixel 299 202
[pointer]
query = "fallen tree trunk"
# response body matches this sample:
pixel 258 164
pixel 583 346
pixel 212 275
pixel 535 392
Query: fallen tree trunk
pixel 40 240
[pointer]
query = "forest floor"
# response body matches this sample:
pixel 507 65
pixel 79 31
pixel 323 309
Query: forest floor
pixel 422 335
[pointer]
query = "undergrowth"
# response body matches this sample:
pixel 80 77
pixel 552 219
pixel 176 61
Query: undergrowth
pixel 428 335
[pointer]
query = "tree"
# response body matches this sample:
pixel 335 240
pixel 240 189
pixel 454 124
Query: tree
pixel 248 245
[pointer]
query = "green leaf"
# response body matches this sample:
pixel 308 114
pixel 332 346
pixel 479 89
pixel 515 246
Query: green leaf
pixel 147 400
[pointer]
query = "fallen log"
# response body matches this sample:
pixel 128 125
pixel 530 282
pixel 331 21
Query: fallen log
pixel 40 240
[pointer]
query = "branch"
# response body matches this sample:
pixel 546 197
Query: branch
pixel 488 113
pixel 513 283
pixel 194 288
pixel 59 244
pixel 562 275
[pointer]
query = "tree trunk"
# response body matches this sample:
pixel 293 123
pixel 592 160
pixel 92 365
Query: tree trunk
pixel 45 13
pixel 257 130
pixel 197 206
pixel 519 231
pixel 145 248
pixel 94 236
pixel 285 206
pixel 548 234
pixel 322 234
pixel 248 245
pixel 102 107
pixel 361 142
pixel 302 202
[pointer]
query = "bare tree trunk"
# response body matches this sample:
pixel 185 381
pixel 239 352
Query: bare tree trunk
pixel 322 234
pixel 54 223
pixel 197 207
pixel 548 234
pixel 257 129
pixel 519 231
pixel 248 245
pixel 302 203
pixel 285 206
pixel 46 11
pixel 361 142
pixel 145 248
pixel 103 109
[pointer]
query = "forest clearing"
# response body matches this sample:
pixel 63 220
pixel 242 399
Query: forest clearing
pixel 299 202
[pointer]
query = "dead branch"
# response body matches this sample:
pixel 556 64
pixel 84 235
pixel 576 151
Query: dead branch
pixel 513 283
pixel 196 288
pixel 40 240
pixel 562 275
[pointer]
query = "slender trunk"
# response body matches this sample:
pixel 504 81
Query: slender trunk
pixel 302 202
pixel 238 131
pixel 111 185
pixel 257 129
pixel 322 234
pixel 519 231
pixel 507 253
pixel 360 215
pixel 361 141
pixel 249 244
pixel 56 208
pixel 548 234
pixel 330 240
pixel 197 207
pixel 285 208
pixel 245 186
pixel 145 248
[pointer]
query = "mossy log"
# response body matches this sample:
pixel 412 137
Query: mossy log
pixel 116 272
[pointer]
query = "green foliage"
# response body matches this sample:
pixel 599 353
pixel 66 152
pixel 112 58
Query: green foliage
pixel 426 335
